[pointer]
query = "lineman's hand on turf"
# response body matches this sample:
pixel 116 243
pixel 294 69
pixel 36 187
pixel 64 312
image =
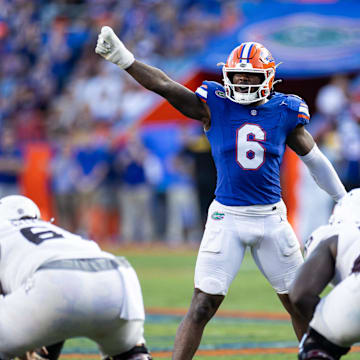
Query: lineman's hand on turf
pixel 110 47
pixel 34 355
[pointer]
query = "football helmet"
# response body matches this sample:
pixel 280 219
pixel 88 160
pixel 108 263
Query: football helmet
pixel 16 207
pixel 347 209
pixel 249 57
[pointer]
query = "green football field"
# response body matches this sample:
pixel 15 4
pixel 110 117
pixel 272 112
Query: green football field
pixel 250 324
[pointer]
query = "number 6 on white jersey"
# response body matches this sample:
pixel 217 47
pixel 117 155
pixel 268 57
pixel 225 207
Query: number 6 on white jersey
pixel 250 154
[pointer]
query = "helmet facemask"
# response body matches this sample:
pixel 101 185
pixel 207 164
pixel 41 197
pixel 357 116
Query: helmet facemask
pixel 254 93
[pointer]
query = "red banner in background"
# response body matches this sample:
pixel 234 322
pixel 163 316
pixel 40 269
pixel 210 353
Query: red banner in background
pixel 35 179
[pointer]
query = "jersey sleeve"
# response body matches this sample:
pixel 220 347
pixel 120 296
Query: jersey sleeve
pixel 202 92
pixel 298 112
pixel 211 92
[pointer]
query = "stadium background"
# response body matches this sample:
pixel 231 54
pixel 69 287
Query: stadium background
pixel 114 162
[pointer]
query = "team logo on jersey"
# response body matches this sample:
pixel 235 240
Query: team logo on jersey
pixel 217 215
pixel 220 93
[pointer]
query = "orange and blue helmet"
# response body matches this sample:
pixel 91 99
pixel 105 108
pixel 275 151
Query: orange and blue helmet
pixel 249 57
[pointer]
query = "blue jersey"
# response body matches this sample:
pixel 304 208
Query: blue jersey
pixel 248 144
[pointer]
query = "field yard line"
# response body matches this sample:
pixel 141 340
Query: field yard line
pixel 224 313
pixel 219 352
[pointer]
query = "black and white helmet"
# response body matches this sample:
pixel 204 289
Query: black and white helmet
pixel 16 207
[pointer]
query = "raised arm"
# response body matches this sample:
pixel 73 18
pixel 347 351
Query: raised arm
pixel 319 166
pixel 110 47
pixel 176 94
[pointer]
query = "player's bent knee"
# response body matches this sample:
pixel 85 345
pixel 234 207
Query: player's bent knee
pixel 204 307
pixel 201 312
pixel 314 346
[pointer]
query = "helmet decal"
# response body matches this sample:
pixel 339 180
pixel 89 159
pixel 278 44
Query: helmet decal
pixel 265 56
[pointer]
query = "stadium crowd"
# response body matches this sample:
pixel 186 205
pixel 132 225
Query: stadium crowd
pixel 55 90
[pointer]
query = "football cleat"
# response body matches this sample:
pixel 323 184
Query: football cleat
pixel 314 346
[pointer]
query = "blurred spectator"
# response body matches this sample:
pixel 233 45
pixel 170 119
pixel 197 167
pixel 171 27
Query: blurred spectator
pixel 182 205
pixel 231 16
pixel 101 93
pixel 64 174
pixel 104 225
pixel 204 172
pixel 92 160
pixel 333 97
pixel 348 128
pixel 11 163
pixel 135 193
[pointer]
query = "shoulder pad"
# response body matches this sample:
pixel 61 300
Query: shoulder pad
pixel 210 87
pixel 294 101
pixel 299 107
pixel 214 86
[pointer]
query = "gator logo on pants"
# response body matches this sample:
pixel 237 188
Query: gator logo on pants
pixel 217 215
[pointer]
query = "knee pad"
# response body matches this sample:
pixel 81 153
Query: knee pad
pixel 213 286
pixel 138 352
pixel 314 346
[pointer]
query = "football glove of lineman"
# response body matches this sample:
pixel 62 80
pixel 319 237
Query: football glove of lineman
pixel 111 48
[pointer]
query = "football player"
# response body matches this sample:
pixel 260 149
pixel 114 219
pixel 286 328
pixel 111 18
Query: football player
pixel 57 285
pixel 332 256
pixel 248 125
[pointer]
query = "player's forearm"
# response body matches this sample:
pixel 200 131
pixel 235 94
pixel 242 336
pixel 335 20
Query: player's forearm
pixel 150 77
pixel 303 296
pixel 176 94
pixel 306 306
pixel 324 173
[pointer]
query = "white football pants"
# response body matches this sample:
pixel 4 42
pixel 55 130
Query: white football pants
pixel 55 305
pixel 230 230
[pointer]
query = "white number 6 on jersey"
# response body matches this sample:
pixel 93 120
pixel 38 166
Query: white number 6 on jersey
pixel 250 154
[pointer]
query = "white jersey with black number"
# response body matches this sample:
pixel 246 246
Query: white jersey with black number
pixel 348 247
pixel 26 244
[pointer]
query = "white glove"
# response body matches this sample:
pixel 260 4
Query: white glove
pixel 110 47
